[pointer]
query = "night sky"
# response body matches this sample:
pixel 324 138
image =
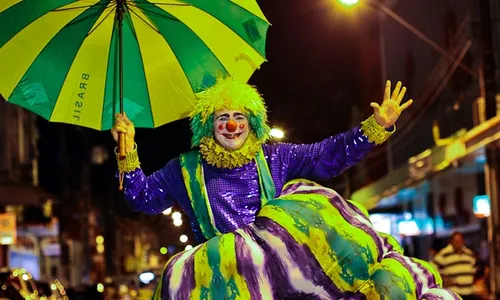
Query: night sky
pixel 310 83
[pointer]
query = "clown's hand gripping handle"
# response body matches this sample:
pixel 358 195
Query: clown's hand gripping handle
pixel 122 145
pixel 122 154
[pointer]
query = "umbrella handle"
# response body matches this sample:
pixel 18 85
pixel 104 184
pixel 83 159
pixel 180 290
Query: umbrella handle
pixel 122 145
pixel 122 154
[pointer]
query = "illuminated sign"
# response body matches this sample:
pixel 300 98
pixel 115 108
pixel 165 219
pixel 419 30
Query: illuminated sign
pixel 8 232
pixel 481 204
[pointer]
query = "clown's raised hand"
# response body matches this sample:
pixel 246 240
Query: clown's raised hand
pixel 389 111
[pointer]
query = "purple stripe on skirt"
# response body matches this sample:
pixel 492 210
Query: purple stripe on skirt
pixel 165 288
pixel 418 281
pixel 430 296
pixel 302 256
pixel 246 267
pixel 289 189
pixel 274 268
pixel 431 279
pixel 187 282
pixel 387 245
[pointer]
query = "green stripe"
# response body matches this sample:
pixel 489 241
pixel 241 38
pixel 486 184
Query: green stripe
pixel 135 89
pixel 249 27
pixel 39 88
pixel 194 56
pixel 191 162
pixel 217 284
pixel 304 210
pixel 266 184
pixel 17 17
pixel 385 282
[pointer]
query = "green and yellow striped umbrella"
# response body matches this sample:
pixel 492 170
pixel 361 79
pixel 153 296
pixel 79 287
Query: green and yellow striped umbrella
pixel 63 59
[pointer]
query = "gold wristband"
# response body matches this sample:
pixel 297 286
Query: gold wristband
pixel 130 163
pixel 374 132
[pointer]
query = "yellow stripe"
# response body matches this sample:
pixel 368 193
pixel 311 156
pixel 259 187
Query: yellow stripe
pixel 175 279
pixel 239 58
pixel 203 273
pixel 317 239
pixel 19 53
pixel 168 86
pixel 5 4
pixel 228 265
pixel 81 98
pixel 251 6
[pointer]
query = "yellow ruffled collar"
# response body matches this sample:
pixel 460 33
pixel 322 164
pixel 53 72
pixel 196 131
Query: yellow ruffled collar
pixel 218 156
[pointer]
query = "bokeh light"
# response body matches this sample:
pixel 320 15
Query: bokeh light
pixel 183 238
pixel 177 222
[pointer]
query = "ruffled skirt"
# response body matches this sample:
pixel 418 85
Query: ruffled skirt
pixel 309 243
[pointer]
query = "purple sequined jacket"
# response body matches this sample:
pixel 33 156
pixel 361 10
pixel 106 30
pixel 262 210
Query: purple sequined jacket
pixel 234 193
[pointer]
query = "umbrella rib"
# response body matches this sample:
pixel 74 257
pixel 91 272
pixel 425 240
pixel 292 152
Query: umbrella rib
pixel 144 21
pixel 154 13
pixel 103 19
pixel 170 4
pixel 78 7
pixel 83 19
pixel 128 18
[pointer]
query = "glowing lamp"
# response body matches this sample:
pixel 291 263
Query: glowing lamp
pixel 146 277
pixel 481 204
pixel 349 2
pixel 277 133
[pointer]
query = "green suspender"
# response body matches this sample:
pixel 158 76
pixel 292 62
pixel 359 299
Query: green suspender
pixel 266 184
pixel 192 172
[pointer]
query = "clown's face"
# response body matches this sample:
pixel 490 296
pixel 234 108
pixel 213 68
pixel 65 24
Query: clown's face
pixel 231 128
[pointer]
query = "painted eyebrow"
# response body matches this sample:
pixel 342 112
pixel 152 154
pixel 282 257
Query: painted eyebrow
pixel 223 115
pixel 236 114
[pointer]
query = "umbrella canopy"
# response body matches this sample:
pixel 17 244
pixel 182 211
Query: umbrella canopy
pixel 60 58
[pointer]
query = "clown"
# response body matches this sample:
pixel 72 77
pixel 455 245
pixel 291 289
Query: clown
pixel 265 230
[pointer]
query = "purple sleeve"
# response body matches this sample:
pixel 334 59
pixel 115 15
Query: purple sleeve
pixel 152 194
pixel 326 159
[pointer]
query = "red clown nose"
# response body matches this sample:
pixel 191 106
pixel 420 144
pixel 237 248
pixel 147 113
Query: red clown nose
pixel 231 126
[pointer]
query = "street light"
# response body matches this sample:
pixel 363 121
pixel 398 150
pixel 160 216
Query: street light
pixel 349 2
pixel 277 133
pixel 167 211
pixel 387 11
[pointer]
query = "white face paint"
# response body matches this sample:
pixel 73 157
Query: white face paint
pixel 231 128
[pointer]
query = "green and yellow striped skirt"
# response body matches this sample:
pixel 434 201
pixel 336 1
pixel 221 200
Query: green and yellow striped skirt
pixel 309 243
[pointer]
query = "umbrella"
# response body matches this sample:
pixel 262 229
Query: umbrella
pixel 81 61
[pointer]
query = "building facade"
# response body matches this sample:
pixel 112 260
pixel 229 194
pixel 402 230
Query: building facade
pixel 436 160
pixel 439 67
pixel 36 246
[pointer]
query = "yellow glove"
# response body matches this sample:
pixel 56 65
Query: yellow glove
pixel 388 113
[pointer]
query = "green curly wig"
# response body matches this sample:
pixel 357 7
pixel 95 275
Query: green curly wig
pixel 228 94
